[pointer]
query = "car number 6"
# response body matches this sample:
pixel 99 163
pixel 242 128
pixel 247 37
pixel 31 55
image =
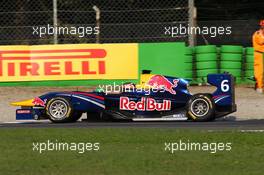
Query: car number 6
pixel 224 86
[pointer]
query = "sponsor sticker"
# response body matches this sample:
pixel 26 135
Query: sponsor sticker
pixel 68 62
pixel 23 111
pixel 145 104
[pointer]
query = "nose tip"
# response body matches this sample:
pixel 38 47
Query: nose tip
pixel 28 103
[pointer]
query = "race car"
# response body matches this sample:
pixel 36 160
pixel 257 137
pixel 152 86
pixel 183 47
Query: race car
pixel 155 98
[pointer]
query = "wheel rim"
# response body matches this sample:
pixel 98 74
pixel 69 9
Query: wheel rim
pixel 58 109
pixel 200 107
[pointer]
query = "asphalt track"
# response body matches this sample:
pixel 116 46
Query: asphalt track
pixel 247 125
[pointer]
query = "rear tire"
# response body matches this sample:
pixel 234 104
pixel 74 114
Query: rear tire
pixel 201 108
pixel 59 110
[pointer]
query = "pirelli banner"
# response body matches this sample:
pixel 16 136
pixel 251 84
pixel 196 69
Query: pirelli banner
pixel 68 62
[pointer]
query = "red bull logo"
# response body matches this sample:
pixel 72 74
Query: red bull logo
pixel 160 82
pixel 38 102
pixel 146 104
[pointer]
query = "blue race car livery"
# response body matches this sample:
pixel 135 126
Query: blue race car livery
pixel 166 99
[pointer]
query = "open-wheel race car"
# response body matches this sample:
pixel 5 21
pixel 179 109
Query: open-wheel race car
pixel 165 99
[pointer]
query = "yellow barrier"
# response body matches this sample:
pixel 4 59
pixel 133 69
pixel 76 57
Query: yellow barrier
pixel 68 62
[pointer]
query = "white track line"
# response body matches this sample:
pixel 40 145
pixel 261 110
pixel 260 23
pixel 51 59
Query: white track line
pixel 26 121
pixel 251 130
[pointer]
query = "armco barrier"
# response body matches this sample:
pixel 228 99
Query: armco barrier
pixel 189 62
pixel 68 62
pixel 63 65
pixel 172 59
pixel 68 83
pixel 163 58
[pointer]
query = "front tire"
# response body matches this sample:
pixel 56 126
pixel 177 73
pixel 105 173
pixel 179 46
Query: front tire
pixel 59 110
pixel 201 107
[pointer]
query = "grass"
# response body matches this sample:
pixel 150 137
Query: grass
pixel 129 151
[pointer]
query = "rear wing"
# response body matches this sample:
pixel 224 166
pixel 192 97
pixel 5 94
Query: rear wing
pixel 225 92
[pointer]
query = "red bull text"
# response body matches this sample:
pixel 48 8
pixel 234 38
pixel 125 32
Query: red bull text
pixel 145 104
